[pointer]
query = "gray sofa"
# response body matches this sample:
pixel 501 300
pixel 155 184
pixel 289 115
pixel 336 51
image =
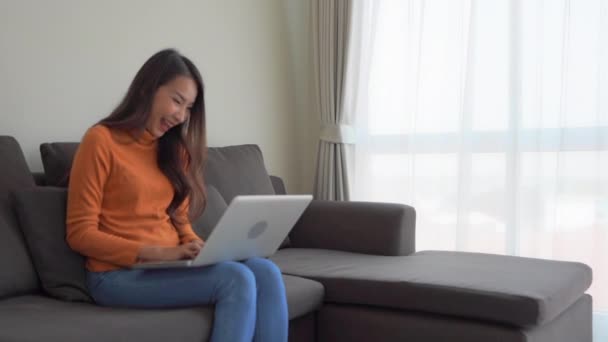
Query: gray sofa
pixel 350 269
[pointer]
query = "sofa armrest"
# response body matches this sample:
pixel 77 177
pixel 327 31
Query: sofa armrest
pixel 360 227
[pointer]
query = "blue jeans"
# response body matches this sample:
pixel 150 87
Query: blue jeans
pixel 248 295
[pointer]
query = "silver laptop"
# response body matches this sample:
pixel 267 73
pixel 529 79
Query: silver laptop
pixel 252 226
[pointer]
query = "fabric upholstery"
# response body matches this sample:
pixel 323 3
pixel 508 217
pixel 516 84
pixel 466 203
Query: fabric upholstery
pixel 41 214
pixel 341 323
pixel 36 318
pixel 18 275
pixel 574 324
pixel 57 160
pixel 303 329
pixel 39 178
pixel 62 321
pixel 237 170
pixel 215 208
pixel 279 189
pixel 511 290
pixel 378 297
pixel 303 295
pixel 350 323
pixel 278 185
pixel 362 227
pixel 233 170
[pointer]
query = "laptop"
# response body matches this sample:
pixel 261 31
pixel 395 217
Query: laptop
pixel 251 226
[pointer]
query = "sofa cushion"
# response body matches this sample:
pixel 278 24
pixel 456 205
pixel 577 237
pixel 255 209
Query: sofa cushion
pixel 303 295
pixel 237 170
pixel 232 170
pixel 37 318
pixel 42 216
pixel 57 161
pixel 342 323
pixel 214 209
pixel 512 290
pixel 18 275
pixel 61 321
pixel 350 323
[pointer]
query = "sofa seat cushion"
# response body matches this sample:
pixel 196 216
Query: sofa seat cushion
pixel 303 295
pixel 510 290
pixel 61 321
pixel 37 318
pixel 356 323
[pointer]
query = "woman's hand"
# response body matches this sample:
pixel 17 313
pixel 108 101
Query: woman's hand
pixel 182 252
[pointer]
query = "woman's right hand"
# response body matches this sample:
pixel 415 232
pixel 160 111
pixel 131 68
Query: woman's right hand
pixel 182 252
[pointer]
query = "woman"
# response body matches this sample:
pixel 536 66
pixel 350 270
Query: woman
pixel 135 178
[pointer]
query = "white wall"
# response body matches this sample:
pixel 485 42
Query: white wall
pixel 64 64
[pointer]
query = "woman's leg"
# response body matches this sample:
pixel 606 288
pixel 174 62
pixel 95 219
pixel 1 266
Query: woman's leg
pixel 272 323
pixel 229 285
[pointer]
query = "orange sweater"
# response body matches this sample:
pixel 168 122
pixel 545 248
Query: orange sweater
pixel 117 200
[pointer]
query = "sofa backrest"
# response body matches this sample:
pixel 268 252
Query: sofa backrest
pixel 57 160
pixel 237 170
pixel 232 170
pixel 17 275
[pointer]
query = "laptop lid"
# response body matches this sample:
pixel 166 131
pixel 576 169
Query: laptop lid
pixel 252 226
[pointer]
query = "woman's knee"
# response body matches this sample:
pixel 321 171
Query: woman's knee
pixel 236 275
pixel 263 268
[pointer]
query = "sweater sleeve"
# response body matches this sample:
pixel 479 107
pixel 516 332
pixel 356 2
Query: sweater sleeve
pixel 88 176
pixel 186 234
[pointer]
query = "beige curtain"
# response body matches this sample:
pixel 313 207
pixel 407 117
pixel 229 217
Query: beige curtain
pixel 331 24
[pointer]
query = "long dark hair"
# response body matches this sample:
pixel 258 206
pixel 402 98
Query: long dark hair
pixel 182 149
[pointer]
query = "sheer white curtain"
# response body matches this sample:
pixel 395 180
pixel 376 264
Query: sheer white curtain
pixel 491 119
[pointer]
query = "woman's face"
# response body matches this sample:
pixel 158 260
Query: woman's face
pixel 171 105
